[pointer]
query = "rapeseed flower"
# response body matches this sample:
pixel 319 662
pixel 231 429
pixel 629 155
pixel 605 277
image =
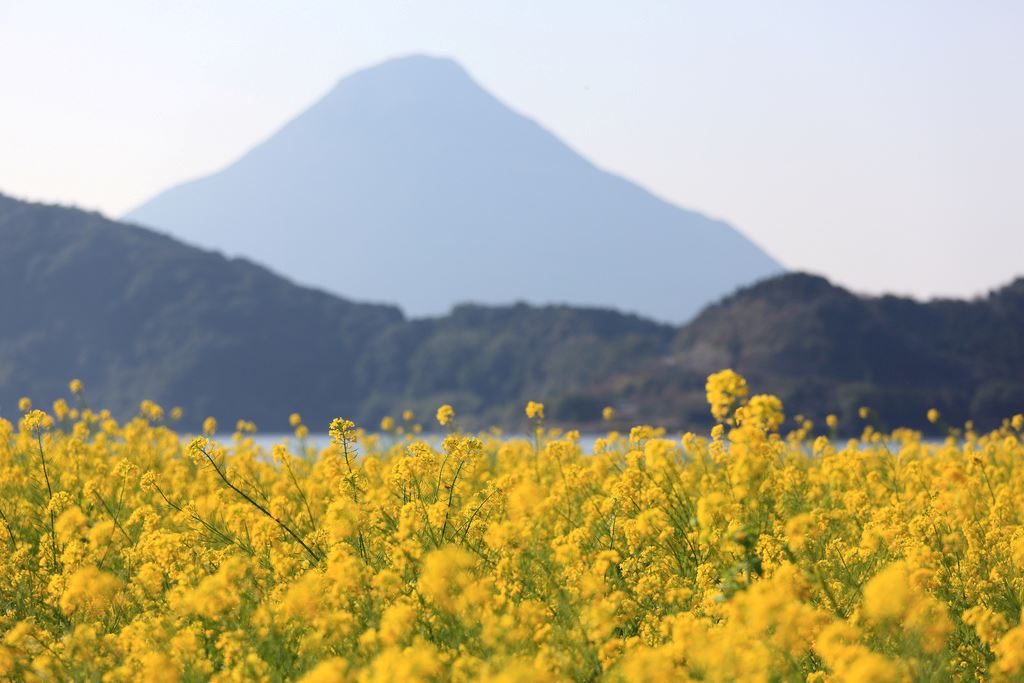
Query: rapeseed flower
pixel 535 410
pixel 724 390
pixel 134 553
pixel 445 414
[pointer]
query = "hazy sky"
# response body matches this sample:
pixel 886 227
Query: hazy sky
pixel 878 143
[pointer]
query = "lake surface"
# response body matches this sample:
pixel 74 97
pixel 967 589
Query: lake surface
pixel 586 441
pixel 267 440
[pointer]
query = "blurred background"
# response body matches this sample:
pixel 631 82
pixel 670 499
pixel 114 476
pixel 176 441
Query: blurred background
pixel 351 208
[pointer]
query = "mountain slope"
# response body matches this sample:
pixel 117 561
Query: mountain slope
pixel 823 349
pixel 138 315
pixel 135 314
pixel 408 183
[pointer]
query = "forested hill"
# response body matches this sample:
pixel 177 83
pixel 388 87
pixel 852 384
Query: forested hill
pixel 825 349
pixel 135 315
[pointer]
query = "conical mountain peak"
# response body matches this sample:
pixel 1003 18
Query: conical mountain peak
pixel 414 66
pixel 409 183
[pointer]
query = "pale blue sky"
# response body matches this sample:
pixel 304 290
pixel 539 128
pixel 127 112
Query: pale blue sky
pixel 878 143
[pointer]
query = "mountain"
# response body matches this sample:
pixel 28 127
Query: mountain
pixel 488 361
pixel 823 349
pixel 136 315
pixel 410 184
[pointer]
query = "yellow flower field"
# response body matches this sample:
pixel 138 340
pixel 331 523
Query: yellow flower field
pixel 133 552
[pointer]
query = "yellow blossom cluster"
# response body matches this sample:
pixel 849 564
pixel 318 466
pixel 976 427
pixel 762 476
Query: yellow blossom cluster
pixel 725 389
pixel 133 552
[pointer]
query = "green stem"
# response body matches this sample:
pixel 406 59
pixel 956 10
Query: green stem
pixel 265 511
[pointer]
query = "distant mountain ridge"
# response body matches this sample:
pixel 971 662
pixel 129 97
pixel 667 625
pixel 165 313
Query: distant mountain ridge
pixel 820 346
pixel 410 184
pixel 139 315
pixel 136 314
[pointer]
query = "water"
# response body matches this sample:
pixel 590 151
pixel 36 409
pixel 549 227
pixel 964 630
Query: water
pixel 318 441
